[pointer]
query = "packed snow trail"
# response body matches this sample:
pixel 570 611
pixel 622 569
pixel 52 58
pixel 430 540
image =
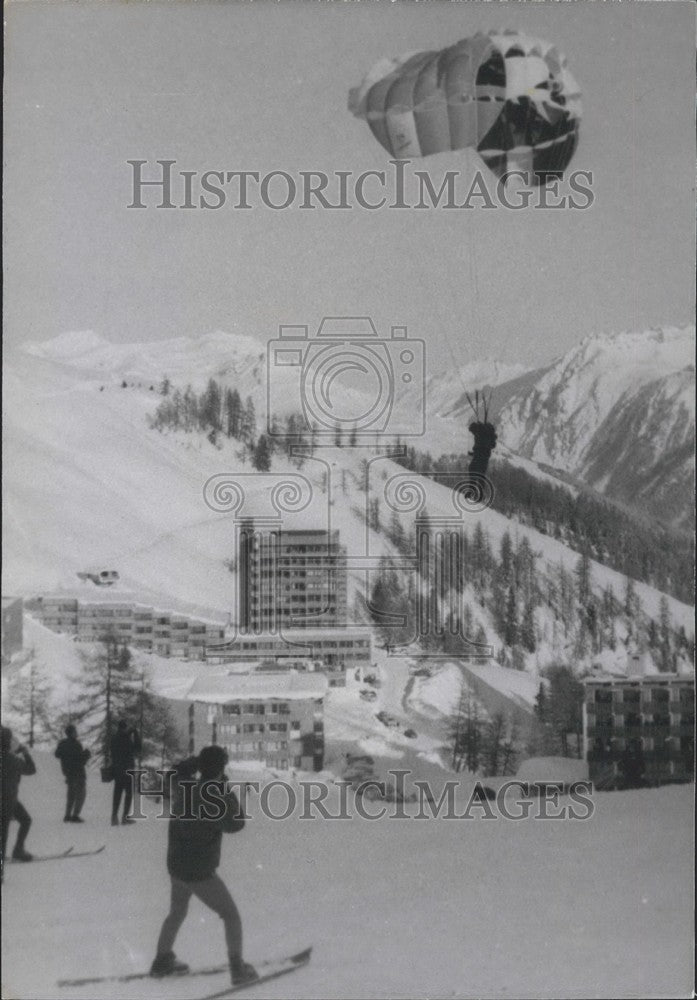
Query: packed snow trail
pixel 395 908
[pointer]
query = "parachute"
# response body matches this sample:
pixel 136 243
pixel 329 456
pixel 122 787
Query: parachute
pixel 505 94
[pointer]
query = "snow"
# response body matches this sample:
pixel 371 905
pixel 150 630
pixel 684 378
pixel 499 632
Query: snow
pixel 561 769
pixel 519 685
pixel 413 909
pixel 438 694
pixel 430 908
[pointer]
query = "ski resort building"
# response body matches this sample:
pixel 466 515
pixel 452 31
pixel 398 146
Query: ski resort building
pixel 12 627
pixel 336 650
pixel 639 729
pixel 274 719
pixel 290 579
pixel 139 625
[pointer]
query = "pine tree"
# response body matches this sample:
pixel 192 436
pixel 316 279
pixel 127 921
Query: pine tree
pixel 510 633
pixel 482 643
pixel 165 386
pixel 527 628
pixel 390 607
pixel 109 683
pixel 210 407
pixel 630 598
pixel 494 733
pixel 29 697
pixel 506 560
pixel 583 578
pixel 665 635
pixel 190 417
pixel 374 514
pixel 541 703
pixel 233 413
pixel 262 458
pixel 248 423
pixel 396 532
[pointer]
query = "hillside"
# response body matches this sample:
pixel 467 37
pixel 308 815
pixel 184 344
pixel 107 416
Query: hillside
pixel 617 412
pixel 88 480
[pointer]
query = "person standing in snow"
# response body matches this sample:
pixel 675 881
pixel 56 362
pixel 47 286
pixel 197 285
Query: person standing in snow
pixel 201 812
pixel 124 746
pixel 16 761
pixel 73 757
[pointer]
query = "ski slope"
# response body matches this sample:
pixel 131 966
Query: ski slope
pixel 394 908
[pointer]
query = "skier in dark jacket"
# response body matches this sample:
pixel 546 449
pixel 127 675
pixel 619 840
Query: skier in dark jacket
pixel 124 746
pixel 201 812
pixel 73 757
pixel 15 762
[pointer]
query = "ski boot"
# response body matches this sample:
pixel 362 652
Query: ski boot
pixel 167 964
pixel 19 854
pixel 242 972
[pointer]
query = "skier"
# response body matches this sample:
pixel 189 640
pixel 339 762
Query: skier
pixel 15 762
pixel 193 855
pixel 73 757
pixel 125 744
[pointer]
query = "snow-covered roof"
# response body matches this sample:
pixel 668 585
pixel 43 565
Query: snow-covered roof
pixel 297 637
pixel 257 687
pixel 115 596
pixel 654 678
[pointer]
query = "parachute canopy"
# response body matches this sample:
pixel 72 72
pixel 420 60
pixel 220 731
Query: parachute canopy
pixel 507 95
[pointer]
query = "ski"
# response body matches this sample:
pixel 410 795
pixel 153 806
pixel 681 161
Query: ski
pixel 70 853
pixel 44 857
pixel 86 854
pixel 267 970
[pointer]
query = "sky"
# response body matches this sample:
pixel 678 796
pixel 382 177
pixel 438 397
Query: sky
pixel 264 86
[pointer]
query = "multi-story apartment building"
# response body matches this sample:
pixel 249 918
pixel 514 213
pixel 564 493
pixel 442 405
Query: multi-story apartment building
pixel 337 650
pixel 290 579
pixel 276 719
pixel 12 627
pixel 639 729
pixel 137 624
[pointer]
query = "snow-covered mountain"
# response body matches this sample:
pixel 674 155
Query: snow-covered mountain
pixel 616 412
pixel 87 481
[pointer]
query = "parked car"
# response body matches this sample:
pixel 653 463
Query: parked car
pixel 387 719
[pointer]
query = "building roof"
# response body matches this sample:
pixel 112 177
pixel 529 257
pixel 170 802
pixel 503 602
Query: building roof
pixel 8 601
pixel 638 679
pixel 222 690
pixel 114 596
pixel 297 637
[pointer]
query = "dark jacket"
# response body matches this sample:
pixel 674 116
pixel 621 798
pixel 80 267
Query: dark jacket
pixel 193 844
pixel 124 747
pixel 73 757
pixel 14 764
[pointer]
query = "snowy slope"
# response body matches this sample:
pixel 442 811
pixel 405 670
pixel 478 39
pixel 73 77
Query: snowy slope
pixel 394 908
pixel 87 481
